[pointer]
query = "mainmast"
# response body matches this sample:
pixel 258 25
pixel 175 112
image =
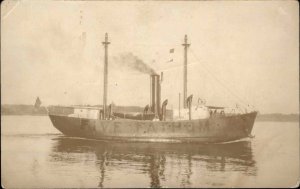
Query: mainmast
pixel 105 43
pixel 186 45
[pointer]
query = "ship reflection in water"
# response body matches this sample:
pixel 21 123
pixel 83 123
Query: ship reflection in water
pixel 165 165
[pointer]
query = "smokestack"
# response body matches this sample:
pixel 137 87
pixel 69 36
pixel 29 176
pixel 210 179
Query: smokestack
pixel 155 94
pixel 158 96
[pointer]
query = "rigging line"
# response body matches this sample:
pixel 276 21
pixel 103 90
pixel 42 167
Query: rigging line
pixel 218 92
pixel 231 98
pixel 228 86
pixel 232 95
pixel 244 104
pixel 242 101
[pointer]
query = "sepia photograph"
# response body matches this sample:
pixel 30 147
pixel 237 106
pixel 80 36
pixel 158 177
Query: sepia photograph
pixel 150 94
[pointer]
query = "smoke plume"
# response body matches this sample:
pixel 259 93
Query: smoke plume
pixel 133 62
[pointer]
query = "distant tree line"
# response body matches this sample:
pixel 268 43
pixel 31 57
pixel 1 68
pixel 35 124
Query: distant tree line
pixel 22 110
pixel 278 117
pixel 31 110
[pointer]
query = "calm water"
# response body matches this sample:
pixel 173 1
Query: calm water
pixel 34 154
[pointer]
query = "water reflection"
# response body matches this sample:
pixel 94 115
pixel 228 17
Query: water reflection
pixel 154 159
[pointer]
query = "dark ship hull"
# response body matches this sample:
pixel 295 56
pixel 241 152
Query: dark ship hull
pixel 213 129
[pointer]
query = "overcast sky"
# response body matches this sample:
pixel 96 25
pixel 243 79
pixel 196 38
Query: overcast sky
pixel 244 52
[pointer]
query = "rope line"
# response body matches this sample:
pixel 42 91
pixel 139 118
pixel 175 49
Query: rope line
pixel 222 84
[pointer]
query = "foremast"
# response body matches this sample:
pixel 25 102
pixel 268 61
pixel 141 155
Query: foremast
pixel 186 45
pixel 105 43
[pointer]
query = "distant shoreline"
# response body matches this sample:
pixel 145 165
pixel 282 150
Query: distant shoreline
pixel 29 110
pixel 278 117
